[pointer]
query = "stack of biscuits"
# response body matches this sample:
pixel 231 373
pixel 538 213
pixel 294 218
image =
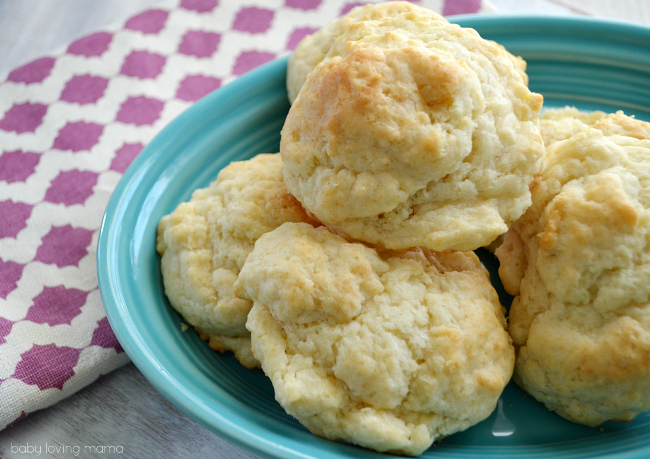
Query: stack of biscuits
pixel 343 266
pixel 578 264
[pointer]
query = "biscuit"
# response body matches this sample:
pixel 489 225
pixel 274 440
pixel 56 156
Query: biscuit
pixel 557 124
pixel 313 48
pixel 560 124
pixel 415 132
pixel 204 242
pixel 386 350
pixel 578 262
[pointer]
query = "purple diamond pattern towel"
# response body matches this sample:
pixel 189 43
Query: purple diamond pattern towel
pixel 70 124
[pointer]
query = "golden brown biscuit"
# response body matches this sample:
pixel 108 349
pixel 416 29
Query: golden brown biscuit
pixel 557 124
pixel 620 124
pixel 313 48
pixel 562 123
pixel 578 262
pixel 414 133
pixel 386 350
pixel 518 62
pixel 204 243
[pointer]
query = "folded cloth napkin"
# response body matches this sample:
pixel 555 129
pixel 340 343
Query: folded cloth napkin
pixel 70 124
pixel 630 10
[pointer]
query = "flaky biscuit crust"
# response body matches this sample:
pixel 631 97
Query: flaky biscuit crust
pixel 561 123
pixel 315 47
pixel 204 242
pixel 414 132
pixel 557 124
pixel 386 350
pixel 578 262
pixel 312 49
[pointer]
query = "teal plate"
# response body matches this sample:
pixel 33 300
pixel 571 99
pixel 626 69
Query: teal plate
pixel 591 64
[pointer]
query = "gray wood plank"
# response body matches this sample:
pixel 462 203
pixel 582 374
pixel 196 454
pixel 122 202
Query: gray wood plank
pixel 120 415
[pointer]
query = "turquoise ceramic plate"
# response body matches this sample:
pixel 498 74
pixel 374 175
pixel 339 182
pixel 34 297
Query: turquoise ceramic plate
pixel 587 63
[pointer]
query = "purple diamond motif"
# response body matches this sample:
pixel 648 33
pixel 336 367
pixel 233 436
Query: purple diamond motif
pixel 64 246
pixel 57 305
pixel 92 45
pixel 248 60
pixel 47 366
pixel 23 118
pixel 103 336
pixel 84 89
pixel 125 155
pixel 253 20
pixel 78 136
pixel 5 328
pixel 461 7
pixel 140 110
pixel 200 6
pixel 297 35
pixel 143 64
pixel 34 72
pixel 151 21
pixel 14 217
pixel 16 166
pixel 10 274
pixel 198 43
pixel 348 6
pixel 71 187
pixel 303 4
pixel 193 87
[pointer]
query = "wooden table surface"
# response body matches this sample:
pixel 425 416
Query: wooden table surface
pixel 122 415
